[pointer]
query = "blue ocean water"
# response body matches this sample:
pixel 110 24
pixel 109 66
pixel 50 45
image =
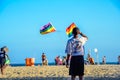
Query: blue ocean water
pixel 36 64
pixel 52 64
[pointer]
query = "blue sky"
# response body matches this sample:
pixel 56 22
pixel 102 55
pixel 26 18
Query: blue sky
pixel 21 20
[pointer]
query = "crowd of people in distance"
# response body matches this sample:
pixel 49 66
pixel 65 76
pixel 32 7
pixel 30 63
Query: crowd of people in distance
pixel 60 61
pixel 91 61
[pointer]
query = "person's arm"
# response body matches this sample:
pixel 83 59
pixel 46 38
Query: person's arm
pixel 83 35
pixel 67 60
pixel 68 51
pixel 7 56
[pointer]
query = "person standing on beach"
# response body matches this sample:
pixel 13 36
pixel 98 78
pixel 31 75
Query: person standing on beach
pixel 118 59
pixel 104 60
pixel 64 60
pixel 3 59
pixel 43 57
pixel 75 50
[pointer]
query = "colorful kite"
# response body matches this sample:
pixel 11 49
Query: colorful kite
pixel 48 28
pixel 69 29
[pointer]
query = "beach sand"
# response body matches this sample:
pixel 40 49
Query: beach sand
pixel 92 72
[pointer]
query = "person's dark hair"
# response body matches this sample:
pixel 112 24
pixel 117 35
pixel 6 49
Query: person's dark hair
pixel 74 32
pixel 2 49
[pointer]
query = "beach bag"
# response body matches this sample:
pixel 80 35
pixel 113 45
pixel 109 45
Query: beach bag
pixel 7 60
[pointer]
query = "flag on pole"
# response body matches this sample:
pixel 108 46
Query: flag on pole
pixel 69 29
pixel 48 28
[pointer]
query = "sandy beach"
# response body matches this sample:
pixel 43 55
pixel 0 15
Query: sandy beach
pixel 92 72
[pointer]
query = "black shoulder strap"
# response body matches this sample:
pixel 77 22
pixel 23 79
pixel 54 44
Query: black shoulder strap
pixel 7 56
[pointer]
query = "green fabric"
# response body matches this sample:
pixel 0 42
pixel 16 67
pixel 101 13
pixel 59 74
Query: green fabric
pixel 7 61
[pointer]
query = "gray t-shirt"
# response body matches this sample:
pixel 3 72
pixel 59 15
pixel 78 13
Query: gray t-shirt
pixel 75 46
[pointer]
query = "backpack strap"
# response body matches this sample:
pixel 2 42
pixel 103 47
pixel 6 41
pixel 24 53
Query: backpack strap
pixel 7 56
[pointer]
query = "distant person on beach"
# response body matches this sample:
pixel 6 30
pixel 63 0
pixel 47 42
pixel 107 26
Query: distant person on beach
pixel 118 59
pixel 58 60
pixel 90 59
pixel 75 49
pixel 45 63
pixel 4 59
pixel 55 60
pixel 104 60
pixel 44 59
pixel 64 60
